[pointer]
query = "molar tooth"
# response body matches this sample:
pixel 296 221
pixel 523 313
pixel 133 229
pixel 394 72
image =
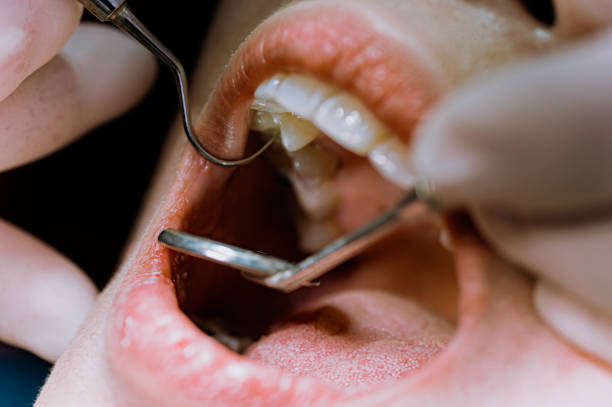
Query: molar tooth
pixel 348 122
pixel 267 89
pixel 319 200
pixel 263 121
pixel 314 235
pixel 302 95
pixel 390 158
pixel 296 133
pixel 315 162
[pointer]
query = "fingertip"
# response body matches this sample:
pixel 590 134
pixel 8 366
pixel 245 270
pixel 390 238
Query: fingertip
pixel 100 74
pixel 44 297
pixel 587 328
pixel 58 300
pixel 113 72
pixel 31 33
pixel 443 157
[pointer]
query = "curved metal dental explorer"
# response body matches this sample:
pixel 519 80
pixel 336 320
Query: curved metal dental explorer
pixel 117 12
pixel 281 274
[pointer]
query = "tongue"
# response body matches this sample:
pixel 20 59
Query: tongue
pixel 354 340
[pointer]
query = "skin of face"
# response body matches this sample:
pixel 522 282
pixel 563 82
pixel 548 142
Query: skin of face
pixel 502 353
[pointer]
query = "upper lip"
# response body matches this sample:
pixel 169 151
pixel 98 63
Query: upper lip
pixel 151 342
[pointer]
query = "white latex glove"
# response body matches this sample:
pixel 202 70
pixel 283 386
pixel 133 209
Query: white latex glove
pixel 51 92
pixel 528 151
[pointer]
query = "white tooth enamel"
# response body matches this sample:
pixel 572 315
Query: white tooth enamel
pixel 344 119
pixel 263 121
pixel 319 201
pixel 269 106
pixel 296 133
pixel 267 89
pixel 314 235
pixel 297 100
pixel 390 158
pixel 302 95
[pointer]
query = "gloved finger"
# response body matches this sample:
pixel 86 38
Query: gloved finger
pixel 43 296
pixel 98 75
pixel 535 138
pixel 574 256
pixel 572 262
pixel 31 33
pixel 589 328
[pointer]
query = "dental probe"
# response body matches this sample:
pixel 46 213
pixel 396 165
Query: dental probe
pixel 280 274
pixel 117 12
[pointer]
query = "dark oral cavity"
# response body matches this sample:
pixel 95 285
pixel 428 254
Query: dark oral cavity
pixel 367 324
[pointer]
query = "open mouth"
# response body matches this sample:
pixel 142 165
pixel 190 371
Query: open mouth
pixel 339 162
pixel 376 318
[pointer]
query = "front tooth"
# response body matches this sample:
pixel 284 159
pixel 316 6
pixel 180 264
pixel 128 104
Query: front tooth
pixel 302 95
pixel 296 133
pixel 390 158
pixel 267 89
pixel 263 121
pixel 265 105
pixel 344 119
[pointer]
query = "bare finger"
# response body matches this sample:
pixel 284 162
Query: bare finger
pixel 31 33
pixel 43 296
pixel 98 75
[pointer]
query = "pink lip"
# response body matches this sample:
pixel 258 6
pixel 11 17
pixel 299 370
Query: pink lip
pixel 154 348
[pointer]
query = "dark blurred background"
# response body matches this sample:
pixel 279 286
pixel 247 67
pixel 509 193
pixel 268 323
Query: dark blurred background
pixel 83 199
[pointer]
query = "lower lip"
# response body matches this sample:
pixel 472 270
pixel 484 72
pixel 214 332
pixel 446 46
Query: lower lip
pixel 157 351
pixel 154 348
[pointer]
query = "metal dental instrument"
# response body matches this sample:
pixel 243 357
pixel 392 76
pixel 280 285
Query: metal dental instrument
pixel 280 274
pixel 117 12
pixel 266 270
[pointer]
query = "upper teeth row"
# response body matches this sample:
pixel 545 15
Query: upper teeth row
pixel 301 107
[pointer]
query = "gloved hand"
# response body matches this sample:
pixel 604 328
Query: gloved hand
pixel 528 151
pixel 48 97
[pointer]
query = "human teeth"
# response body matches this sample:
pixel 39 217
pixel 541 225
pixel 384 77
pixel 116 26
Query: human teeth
pixel 263 121
pixel 302 95
pixel 345 120
pixel 315 162
pixel 269 106
pixel 390 158
pixel 296 133
pixel 314 235
pixel 319 200
pixel 267 89
pixel 303 107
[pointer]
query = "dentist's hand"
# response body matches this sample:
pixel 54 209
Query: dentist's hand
pixel 528 151
pixel 56 82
